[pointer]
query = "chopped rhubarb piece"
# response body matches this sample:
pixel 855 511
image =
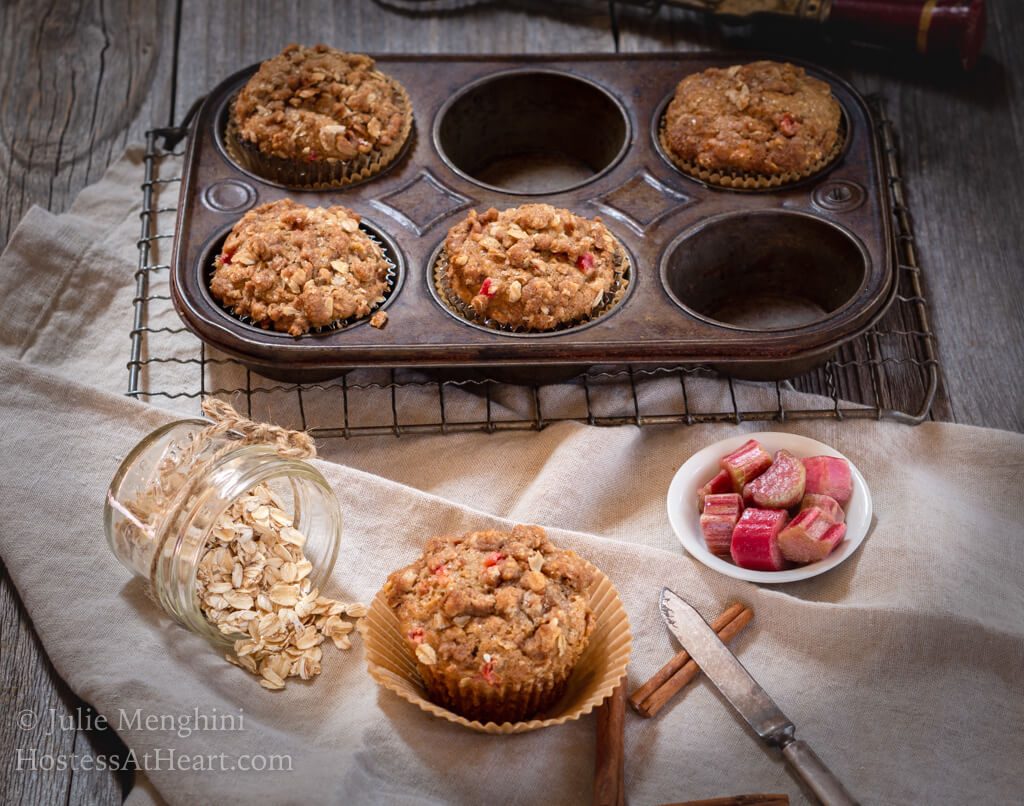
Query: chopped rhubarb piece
pixel 829 475
pixel 487 672
pixel 781 486
pixel 755 540
pixel 487 288
pixel 718 485
pixel 416 636
pixel 225 257
pixel 493 558
pixel 826 504
pixel 585 262
pixel 810 536
pixel 439 570
pixel 312 156
pixel 746 463
pixel 788 125
pixel 721 512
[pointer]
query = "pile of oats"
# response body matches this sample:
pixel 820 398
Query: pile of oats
pixel 254 579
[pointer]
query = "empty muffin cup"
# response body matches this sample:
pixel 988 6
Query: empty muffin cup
pixel 765 270
pixel 532 132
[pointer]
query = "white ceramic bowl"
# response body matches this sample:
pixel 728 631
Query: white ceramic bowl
pixel 701 468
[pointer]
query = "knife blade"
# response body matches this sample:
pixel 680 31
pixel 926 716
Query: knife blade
pixel 748 698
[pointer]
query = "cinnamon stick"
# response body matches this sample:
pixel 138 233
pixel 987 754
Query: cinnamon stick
pixel 610 758
pixel 681 670
pixel 738 800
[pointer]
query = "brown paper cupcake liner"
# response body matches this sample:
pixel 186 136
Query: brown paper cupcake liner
pixel 478 701
pixel 612 297
pixel 320 174
pixel 741 180
pixel 391 276
pixel 596 674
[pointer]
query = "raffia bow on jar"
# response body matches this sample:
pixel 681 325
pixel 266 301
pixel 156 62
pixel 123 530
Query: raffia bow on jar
pixel 236 534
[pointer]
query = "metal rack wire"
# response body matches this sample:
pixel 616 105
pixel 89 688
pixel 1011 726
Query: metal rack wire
pixel 889 372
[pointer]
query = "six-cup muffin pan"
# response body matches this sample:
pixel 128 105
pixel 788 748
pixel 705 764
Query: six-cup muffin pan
pixel 761 284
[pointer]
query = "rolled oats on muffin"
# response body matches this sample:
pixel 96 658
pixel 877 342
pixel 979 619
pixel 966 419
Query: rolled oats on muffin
pixel 495 620
pixel 295 268
pixel 533 267
pixel 319 116
pixel 764 120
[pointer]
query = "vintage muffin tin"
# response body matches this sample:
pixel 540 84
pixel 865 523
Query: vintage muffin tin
pixel 762 284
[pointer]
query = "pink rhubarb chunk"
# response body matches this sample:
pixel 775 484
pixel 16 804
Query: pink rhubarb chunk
pixel 828 475
pixel 719 484
pixel 721 512
pixel 810 536
pixel 755 540
pixel 746 463
pixel 781 486
pixel 826 504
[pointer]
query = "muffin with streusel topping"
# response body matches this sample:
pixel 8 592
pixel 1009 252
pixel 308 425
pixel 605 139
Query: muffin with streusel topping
pixel 318 117
pixel 495 620
pixel 533 267
pixel 295 268
pixel 752 125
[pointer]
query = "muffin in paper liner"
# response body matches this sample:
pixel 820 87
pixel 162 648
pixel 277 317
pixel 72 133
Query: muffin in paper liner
pixel 456 305
pixel 391 278
pixel 596 674
pixel 740 180
pixel 319 174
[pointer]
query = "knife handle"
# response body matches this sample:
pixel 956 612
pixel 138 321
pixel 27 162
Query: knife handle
pixel 813 772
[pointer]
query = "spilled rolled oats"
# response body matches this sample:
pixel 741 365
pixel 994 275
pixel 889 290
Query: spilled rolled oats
pixel 254 579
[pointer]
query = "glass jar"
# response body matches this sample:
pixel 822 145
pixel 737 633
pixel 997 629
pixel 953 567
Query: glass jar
pixel 170 491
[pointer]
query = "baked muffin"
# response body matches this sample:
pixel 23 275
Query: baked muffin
pixel 294 268
pixel 765 120
pixel 495 620
pixel 532 267
pixel 317 116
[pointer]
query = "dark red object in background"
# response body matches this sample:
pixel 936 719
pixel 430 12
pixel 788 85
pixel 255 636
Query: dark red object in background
pixel 933 27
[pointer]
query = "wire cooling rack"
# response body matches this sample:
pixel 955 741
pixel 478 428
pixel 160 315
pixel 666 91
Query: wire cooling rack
pixel 889 372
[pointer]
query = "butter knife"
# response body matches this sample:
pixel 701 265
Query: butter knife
pixel 749 699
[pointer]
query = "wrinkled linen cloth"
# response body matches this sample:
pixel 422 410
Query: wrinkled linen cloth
pixel 901 667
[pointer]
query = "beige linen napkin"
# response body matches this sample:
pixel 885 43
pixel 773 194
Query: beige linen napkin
pixel 901 666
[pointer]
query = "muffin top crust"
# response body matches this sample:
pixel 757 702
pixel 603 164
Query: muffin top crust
pixel 533 266
pixel 318 103
pixel 294 268
pixel 500 606
pixel 765 118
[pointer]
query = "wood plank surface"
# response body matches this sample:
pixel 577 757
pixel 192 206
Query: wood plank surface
pixel 220 44
pixel 79 80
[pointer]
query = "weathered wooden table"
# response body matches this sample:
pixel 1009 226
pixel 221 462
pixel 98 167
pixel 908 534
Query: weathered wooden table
pixel 80 80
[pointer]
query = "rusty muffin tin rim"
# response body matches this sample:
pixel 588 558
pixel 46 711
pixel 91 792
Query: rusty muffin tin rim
pixel 686 338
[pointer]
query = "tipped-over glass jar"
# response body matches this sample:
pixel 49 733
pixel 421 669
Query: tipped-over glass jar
pixel 167 504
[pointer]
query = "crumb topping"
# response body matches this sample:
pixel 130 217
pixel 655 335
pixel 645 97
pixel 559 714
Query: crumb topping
pixel 294 268
pixel 320 104
pixel 766 117
pixel 494 605
pixel 534 266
